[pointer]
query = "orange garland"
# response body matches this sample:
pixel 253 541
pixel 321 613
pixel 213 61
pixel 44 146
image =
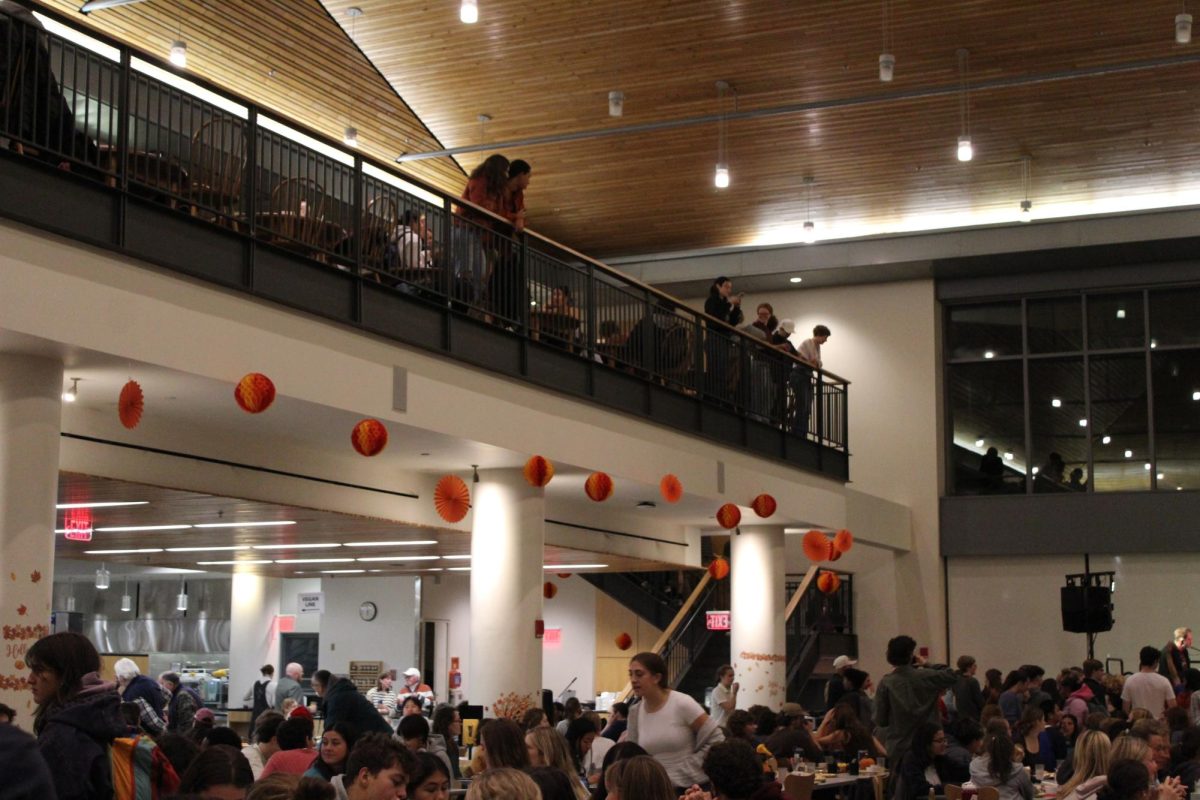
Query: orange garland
pixel 817 546
pixel 623 641
pixel 828 582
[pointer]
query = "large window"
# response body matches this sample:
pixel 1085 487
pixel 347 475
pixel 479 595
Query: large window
pixel 1084 392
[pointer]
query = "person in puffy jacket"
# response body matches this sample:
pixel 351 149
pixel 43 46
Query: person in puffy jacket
pixel 78 715
pixel 344 703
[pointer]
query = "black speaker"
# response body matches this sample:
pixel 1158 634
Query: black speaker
pixel 1098 616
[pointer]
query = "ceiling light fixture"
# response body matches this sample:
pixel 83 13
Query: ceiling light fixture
pixel 965 150
pixel 72 394
pixel 262 524
pixel 412 543
pixel 569 567
pixel 1008 456
pixel 979 442
pixel 1120 313
pixel 1129 454
pixel 134 528
pixel 797 279
pixel 232 563
pixel 458 569
pixel 103 577
pixel 1106 440
pixel 127 598
pixel 342 571
pixel 721 176
pixel 474 473
pixel 1026 180
pixel 1083 423
pixel 1183 25
pixel 810 228
pixel 989 354
pixel 1196 395
pixel 1056 403
pixel 181 600
pixel 616 103
pixel 398 558
pixel 313 560
pixel 887 61
pixel 460 557
pixel 178 57
pixel 112 504
pixel 350 135
pixel 98 5
pixel 305 546
pixel 468 12
pixel 123 552
pixel 208 549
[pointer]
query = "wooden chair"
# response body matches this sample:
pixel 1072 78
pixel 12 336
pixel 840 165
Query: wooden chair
pixel 988 793
pixel 297 214
pixel 216 167
pixel 799 787
pixel 375 230
pixel 953 792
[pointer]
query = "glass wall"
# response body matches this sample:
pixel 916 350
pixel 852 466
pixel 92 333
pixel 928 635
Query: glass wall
pixel 1084 392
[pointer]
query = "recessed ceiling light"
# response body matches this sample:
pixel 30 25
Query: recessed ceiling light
pixel 107 504
pixel 1083 423
pixel 1196 395
pixel 400 558
pixel 1161 476
pixel 1146 466
pixel 298 546
pixel 207 549
pixel 130 528
pixel 1008 456
pixel 979 442
pixel 122 552
pixel 989 354
pixel 1129 454
pixel 569 567
pixel 263 524
pixel 228 563
pixel 1056 403
pixel 413 543
pixel 1106 440
pixel 796 279
pixel 312 560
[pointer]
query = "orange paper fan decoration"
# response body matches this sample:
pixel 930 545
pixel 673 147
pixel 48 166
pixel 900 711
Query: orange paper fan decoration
pixel 624 641
pixel 369 437
pixel 828 582
pixel 130 404
pixel 563 575
pixel 843 541
pixel 834 554
pixel 728 516
pixel 718 568
pixel 817 546
pixel 670 488
pixel 764 505
pixel 254 393
pixel 538 471
pixel 599 486
pixel 549 589
pixel 451 498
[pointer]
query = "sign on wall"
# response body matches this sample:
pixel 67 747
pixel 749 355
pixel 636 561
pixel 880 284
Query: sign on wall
pixel 552 638
pixel 310 603
pixel 717 620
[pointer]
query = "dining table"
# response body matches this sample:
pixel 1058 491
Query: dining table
pixel 149 168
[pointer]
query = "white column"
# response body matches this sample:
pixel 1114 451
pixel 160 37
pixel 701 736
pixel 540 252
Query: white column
pixel 507 538
pixel 30 421
pixel 757 642
pixel 253 632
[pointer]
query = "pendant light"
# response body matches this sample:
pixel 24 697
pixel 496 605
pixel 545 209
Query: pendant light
pixel 616 103
pixel 1026 179
pixel 70 596
pixel 810 228
pixel 103 577
pixel 350 135
pixel 468 12
pixel 887 61
pixel 181 600
pixel 721 176
pixel 72 394
pixel 965 150
pixel 1183 25
pixel 127 598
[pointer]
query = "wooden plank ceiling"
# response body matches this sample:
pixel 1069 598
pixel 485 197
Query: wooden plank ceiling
pixel 546 67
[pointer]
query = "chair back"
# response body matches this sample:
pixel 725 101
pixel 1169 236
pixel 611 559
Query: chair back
pixel 376 229
pixel 297 209
pixel 217 164
pixel 953 792
pixel 988 793
pixel 799 787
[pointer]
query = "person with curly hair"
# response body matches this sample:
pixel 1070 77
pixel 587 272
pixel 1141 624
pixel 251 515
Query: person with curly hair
pixel 736 773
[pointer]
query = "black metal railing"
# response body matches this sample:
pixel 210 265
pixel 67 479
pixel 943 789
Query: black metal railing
pixel 690 638
pixel 816 614
pixel 128 122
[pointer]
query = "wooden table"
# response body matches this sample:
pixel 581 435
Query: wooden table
pixel 292 231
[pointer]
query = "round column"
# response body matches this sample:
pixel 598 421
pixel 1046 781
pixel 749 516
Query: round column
pixel 507 539
pixel 757 642
pixel 30 423
pixel 253 632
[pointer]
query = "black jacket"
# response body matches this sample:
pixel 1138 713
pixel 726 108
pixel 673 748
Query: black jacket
pixel 722 309
pixel 75 737
pixel 344 703
pixel 26 776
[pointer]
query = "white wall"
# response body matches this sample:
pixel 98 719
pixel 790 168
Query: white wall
pixel 391 637
pixel 573 610
pixel 1005 610
pixel 447 596
pixel 305 623
pixel 253 630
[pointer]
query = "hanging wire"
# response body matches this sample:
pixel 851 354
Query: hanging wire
pixel 721 87
pixel 964 106
pixel 887 26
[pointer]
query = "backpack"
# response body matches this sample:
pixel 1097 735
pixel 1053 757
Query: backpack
pixel 140 770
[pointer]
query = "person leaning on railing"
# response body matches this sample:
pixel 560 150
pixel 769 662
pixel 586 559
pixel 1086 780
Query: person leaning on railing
pixel 810 353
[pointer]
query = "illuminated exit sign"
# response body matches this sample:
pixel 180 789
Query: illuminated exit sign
pixel 717 620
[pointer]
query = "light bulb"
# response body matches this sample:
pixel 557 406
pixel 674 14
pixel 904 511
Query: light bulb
pixel 1196 395
pixel 102 577
pixel 721 177
pixel 616 103
pixel 1129 454
pixel 887 67
pixel 810 232
pixel 1083 423
pixel 72 394
pixel 350 136
pixel 965 151
pixel 181 602
pixel 1008 456
pixel 1120 313
pixel 126 602
pixel 71 603
pixel 1056 403
pixel 1183 28
pixel 989 354
pixel 979 442
pixel 178 55
pixel 1026 210
pixel 469 12
pixel 1106 440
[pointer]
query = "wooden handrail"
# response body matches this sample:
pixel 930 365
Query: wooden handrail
pixel 669 631
pixel 800 590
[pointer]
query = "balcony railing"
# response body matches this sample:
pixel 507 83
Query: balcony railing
pixel 112 146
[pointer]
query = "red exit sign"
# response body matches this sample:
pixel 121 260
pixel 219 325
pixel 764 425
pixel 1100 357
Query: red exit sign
pixel 717 620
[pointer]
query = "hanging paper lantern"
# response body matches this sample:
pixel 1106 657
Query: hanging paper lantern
pixel 624 641
pixel 599 486
pixel 538 471
pixel 817 546
pixel 130 404
pixel 369 437
pixel 834 554
pixel 718 568
pixel 764 505
pixel 451 498
pixel 728 516
pixel 828 582
pixel 254 393
pixel 670 488
pixel 563 575
pixel 843 541
pixel 549 589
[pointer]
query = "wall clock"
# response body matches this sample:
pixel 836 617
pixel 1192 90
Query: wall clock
pixel 367 611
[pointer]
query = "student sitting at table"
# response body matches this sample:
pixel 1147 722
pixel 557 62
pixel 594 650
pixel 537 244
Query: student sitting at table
pixel 924 768
pixel 999 766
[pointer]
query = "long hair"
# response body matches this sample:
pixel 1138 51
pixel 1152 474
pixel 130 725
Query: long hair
pixel 219 765
pixel 505 783
pixel 922 743
pixel 655 665
pixel 443 718
pixel 1032 720
pixel 845 719
pixel 504 745
pixel 428 765
pixel 350 735
pixel 555 753
pixel 1092 750
pixel 999 748
pixel 277 786
pixel 70 656
pixel 642 777
pixel 1127 779
pixel 576 731
pixel 618 752
pixel 494 171
pixel 1128 747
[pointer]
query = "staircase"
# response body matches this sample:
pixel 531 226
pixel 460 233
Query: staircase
pixel 818 631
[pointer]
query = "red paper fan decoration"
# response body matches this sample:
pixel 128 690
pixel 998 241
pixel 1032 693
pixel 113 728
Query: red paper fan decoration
pixel 834 554
pixel 718 568
pixel 254 393
pixel 670 488
pixel 130 404
pixel 538 471
pixel 817 546
pixel 828 582
pixel 728 516
pixel 369 437
pixel 563 575
pixel 549 589
pixel 764 505
pixel 843 541
pixel 451 498
pixel 624 641
pixel 599 486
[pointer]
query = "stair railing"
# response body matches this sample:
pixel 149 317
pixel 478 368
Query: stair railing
pixel 672 636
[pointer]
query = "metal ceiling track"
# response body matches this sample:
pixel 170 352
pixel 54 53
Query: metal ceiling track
pixel 799 108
